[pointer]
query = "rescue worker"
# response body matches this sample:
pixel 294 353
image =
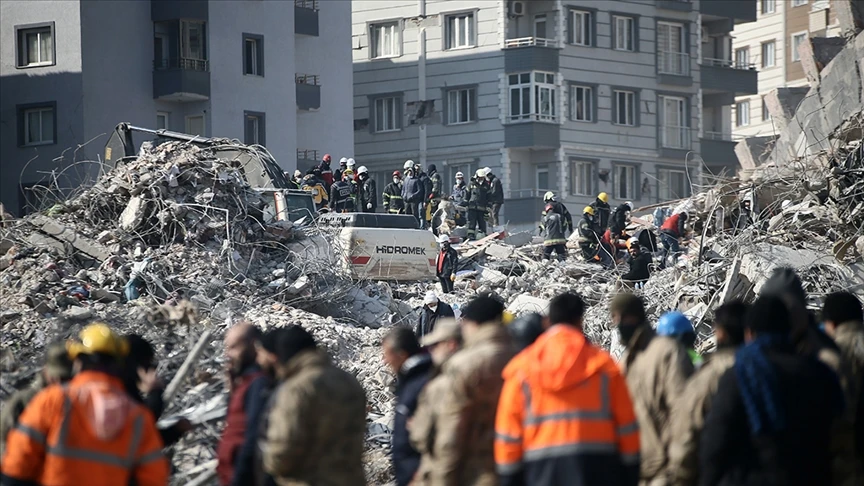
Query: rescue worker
pixel 560 208
pixel 343 164
pixel 463 450
pixel 248 387
pixel 601 211
pixel 412 367
pixel 656 369
pixel 367 190
pixel 496 196
pixel 457 195
pixel 432 310
pixel 297 180
pixel 525 329
pixel 342 194
pixel 544 432
pixel 691 409
pixel 477 201
pixel 771 418
pixel 640 264
pixel 676 325
pixel 317 422
pixel 590 242
pixel 619 219
pixel 744 216
pixel 313 183
pixel 392 197
pixel 423 204
pixel 88 431
pixel 446 264
pixel 56 370
pixel 554 239
pixel 412 192
pixel 671 234
pixel 844 322
pixel 326 173
pixel 437 187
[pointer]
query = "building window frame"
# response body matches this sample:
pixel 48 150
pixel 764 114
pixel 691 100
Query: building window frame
pixel 163 119
pixel 624 37
pixel 794 56
pixel 22 51
pixel 664 190
pixel 630 98
pixel 583 176
pixel 769 53
pixel 254 128
pixel 530 83
pixel 589 102
pixel 586 19
pixel 629 192
pixel 670 132
pixel 253 55
pixel 188 124
pixel 467 26
pixel 542 169
pixel 186 48
pixel 44 109
pixel 766 114
pixel 768 7
pixel 742 57
pixel 377 39
pixel 742 113
pixel 799 3
pixel 465 109
pixel 391 113
pixel 674 62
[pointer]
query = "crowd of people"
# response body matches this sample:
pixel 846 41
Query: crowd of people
pixel 483 400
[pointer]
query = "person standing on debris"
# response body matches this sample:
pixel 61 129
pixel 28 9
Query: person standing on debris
pixel 446 264
pixel 412 367
pixel 656 369
pixel 549 429
pixel 558 207
pixel 619 219
pixel 342 194
pixel 690 410
pixel 676 325
pixel 317 423
pixel 477 201
pixel 589 240
pixel 457 195
pixel 423 204
pixel 770 420
pixel 326 172
pixel 56 370
pixel 671 233
pixel 496 196
pixel 437 186
pixel 297 180
pixel 343 164
pixel 640 264
pixel 412 192
pixel 432 310
pixel 744 216
pixel 844 322
pixel 313 183
pixel 87 431
pixel 246 400
pixel 464 441
pixel 601 211
pixel 392 197
pixel 554 239
pixel 368 191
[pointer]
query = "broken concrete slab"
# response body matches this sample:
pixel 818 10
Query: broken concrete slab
pixel 816 53
pixel 78 313
pixel 133 215
pixel 753 151
pixel 850 16
pixel 758 264
pixel 521 238
pixel 782 103
pixel 69 235
pixel 499 252
pixel 525 303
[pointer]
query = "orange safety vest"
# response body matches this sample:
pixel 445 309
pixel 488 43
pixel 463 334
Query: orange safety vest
pixel 53 444
pixel 565 414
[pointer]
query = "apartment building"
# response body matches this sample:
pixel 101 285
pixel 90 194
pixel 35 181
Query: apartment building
pixel 259 72
pixel 573 96
pixel 771 43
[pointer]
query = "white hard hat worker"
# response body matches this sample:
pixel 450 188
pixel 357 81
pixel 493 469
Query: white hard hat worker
pixel 298 174
pixel 362 170
pixel 480 173
pixel 350 163
pixel 343 161
pixel 444 239
pixel 459 175
pixel 409 164
pixel 629 204
pixel 549 196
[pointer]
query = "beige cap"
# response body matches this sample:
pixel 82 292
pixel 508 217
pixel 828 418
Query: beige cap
pixel 445 329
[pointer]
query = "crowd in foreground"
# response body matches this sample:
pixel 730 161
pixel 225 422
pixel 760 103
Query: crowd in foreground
pixel 485 400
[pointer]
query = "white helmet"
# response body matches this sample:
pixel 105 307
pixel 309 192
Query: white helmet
pixel 629 204
pixel 343 160
pixel 480 173
pixel 409 164
pixel 298 174
pixel 549 196
pixel 459 175
pixel 486 171
pixel 444 239
pixel 350 162
pixel 362 170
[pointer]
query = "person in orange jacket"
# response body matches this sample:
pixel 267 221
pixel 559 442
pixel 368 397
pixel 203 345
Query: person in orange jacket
pixel 88 431
pixel 565 415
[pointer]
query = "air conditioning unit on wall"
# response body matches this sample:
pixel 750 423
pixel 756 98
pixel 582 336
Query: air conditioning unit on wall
pixel 517 8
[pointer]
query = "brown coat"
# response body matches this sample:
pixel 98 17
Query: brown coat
pixel 423 425
pixel 465 427
pixel 316 425
pixel 657 369
pixel 688 417
pixel 848 469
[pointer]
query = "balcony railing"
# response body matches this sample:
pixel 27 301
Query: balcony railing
pixel 675 137
pixel 530 41
pixel 306 79
pixel 527 193
pixel 728 63
pixel 677 63
pixel 529 117
pixel 729 137
pixel 182 63
pixel 307 154
pixel 308 4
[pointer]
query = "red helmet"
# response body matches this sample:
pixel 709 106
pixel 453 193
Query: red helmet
pixel 397 173
pixel 326 158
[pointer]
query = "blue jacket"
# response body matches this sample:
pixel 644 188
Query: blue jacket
pixel 413 376
pixel 412 190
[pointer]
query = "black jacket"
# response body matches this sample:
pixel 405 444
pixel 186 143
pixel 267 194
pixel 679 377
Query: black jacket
pixel 619 219
pixel 496 191
pixel 412 377
pixel 435 177
pixel 561 209
pixel 601 212
pixel 638 268
pixel 426 185
pixel 153 401
pixel 427 320
pixel 451 262
pixel 368 194
pixel 800 455
pixel 392 198
pixel 342 196
pixel 412 190
pixel 477 196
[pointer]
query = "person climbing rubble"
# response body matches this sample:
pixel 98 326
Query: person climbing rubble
pixel 342 194
pixel 87 431
pixel 496 197
pixel 367 191
pixel 676 325
pixel 477 202
pixel 558 207
pixel 412 367
pixel 640 264
pixel 673 231
pixel 590 242
pixel 553 231
pixel 558 376
pixel 601 211
pixel 457 195
pixel 446 264
pixel 432 310
pixel 619 219
pixel 315 185
pixel 326 172
pixel 392 197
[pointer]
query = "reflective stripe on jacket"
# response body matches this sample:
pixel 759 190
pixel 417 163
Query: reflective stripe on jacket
pixel 565 416
pixel 57 440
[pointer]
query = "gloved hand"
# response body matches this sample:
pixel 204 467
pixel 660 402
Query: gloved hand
pixel 368 205
pixel 452 277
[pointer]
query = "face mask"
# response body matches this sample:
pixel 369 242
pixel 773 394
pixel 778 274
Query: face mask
pixel 460 181
pixel 396 180
pixel 433 308
pixel 626 333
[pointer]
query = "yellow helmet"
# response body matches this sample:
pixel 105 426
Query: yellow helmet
pixel 98 338
pixel 588 210
pixel 507 317
pixel 603 197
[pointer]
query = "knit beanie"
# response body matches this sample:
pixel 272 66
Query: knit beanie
pixel 291 342
pixel 784 282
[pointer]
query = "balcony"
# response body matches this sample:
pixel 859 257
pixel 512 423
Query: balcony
pixel 740 10
pixel 674 68
pixel 306 17
pixel 181 79
pixel 530 41
pixel 728 76
pixel 308 91
pixel 530 54
pixel 531 133
pixel 161 10
pixel 307 157
pixel 675 141
pixel 677 5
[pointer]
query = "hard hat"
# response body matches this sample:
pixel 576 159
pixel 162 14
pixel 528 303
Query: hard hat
pixel 549 196
pixel 629 204
pixel 525 329
pixel 631 242
pixel 480 173
pixel 297 173
pixel 397 173
pixel 343 160
pixel 459 175
pixel 487 171
pixel 444 239
pixel 673 323
pixel 347 172
pixel 588 210
pixel 362 170
pixel 409 164
pixel 98 338
pixel 603 197
pixel 326 158
pixel 350 162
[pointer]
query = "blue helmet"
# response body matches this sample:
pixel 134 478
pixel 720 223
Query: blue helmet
pixel 674 323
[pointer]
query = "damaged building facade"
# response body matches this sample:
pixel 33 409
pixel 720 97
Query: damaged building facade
pixel 578 97
pixel 72 70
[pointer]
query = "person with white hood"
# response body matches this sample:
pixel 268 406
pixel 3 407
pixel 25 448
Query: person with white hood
pixel 432 310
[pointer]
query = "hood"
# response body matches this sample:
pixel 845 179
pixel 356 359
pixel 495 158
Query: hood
pixel 417 364
pixel 432 169
pixel 102 402
pixel 559 359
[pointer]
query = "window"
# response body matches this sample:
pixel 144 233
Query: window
pixel 543 178
pixel 766 115
pixel 192 40
pixel 624 33
pixel 742 114
pixel 672 184
pixel 195 125
pixel 581 28
pixel 162 120
pixel 387 114
pixel 540 26
pixel 254 133
pixel 799 3
pixel 624 180
pixel 624 108
pixel 386 41
pixel 674 130
pixel 742 58
pixel 797 40
pixel 582 178
pixel 460 31
pixel 461 106
pixel 37 124
pixel 253 55
pixel 671 53
pixel 532 96
pixel 769 58
pixel 36 46
pixel 769 6
pixel 582 103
